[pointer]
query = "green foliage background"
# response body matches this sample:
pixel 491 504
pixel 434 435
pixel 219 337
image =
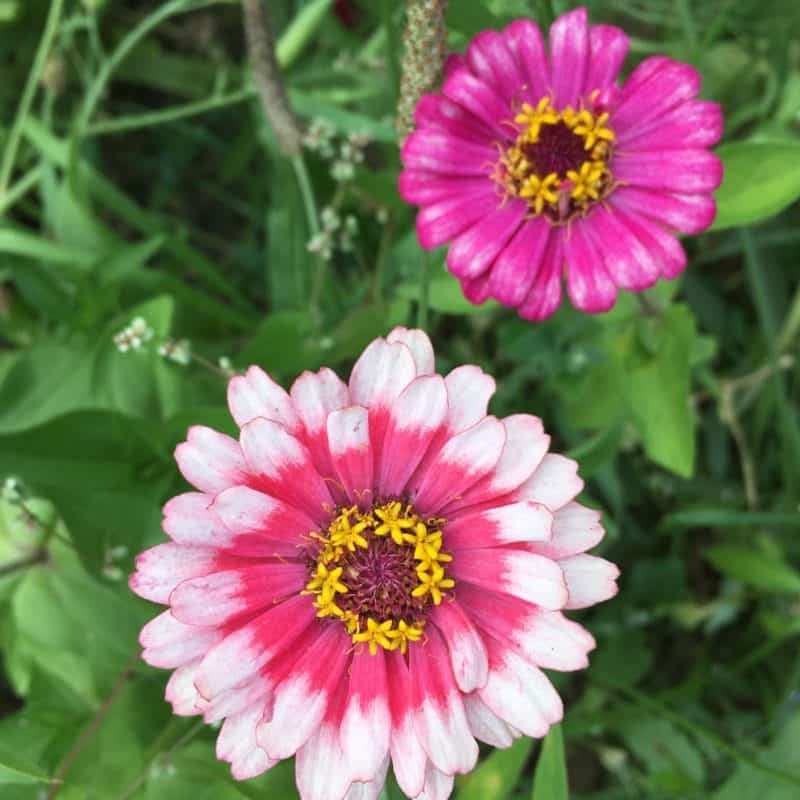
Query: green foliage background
pixel 138 178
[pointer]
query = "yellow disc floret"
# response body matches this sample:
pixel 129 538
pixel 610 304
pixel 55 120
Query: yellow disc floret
pixel 378 571
pixel 559 162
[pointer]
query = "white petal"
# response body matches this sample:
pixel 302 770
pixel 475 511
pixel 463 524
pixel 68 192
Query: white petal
pixel 236 744
pixel 468 656
pixel 161 568
pixel 381 373
pixel 554 483
pixel 209 460
pixel 576 529
pixel 168 643
pixel 469 390
pixel 255 394
pixel 419 344
pixel 589 579
pixel 181 692
pixel 317 395
pixel 485 724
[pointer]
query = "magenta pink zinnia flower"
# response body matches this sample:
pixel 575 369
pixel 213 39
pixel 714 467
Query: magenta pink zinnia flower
pixel 531 165
pixel 373 572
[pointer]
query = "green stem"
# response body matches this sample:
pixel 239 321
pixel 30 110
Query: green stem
pixel 392 48
pixel 20 188
pixel 424 290
pixel 39 61
pixel 121 52
pixel 312 220
pixel 152 118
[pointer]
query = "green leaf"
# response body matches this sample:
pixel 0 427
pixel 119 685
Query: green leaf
pixel 497 776
pixel 748 783
pixel 658 390
pixel 285 343
pixel 550 778
pixel 100 472
pixel 754 567
pixel 761 179
pixel 12 774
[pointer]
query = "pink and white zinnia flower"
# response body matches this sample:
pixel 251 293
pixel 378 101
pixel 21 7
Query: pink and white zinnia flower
pixel 531 165
pixel 374 572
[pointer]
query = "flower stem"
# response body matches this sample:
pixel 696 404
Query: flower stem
pixel 268 78
pixel 39 61
pixel 424 290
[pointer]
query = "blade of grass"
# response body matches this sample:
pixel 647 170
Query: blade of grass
pixel 39 61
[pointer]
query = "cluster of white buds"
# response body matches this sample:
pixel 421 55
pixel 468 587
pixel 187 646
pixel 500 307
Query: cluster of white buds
pixel 111 569
pixel 133 336
pixel 321 138
pixel 335 234
pixel 177 350
pixel 12 491
pixel 351 153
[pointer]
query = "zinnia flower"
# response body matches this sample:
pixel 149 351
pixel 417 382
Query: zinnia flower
pixel 532 164
pixel 374 572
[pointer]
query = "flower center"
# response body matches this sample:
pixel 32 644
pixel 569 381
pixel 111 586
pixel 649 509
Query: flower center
pixel 378 571
pixel 559 161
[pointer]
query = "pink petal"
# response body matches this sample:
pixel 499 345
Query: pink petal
pixel 419 345
pixel 301 699
pixel 527 576
pixel 476 290
pixel 161 568
pixel 576 528
pixel 468 656
pixel 349 442
pixel 629 263
pixel 525 42
pixel 322 771
pixel 438 111
pixel 237 744
pixel 516 267
pixel 654 87
pixel 315 395
pixel 439 717
pixel 408 757
pixel 369 790
pixel 383 370
pixel 239 657
pixel 469 390
pixel 416 417
pixel 423 187
pixel 437 151
pixel 168 643
pixel 181 693
pixel 589 579
pixel 525 446
pixel 255 394
pixel 519 693
pixel 366 724
pixel 223 596
pixel 480 99
pixel 443 221
pixel 257 525
pixel 687 213
pixel 188 519
pixel 554 483
pixel 485 724
pixel 569 57
pixel 438 784
pixel 544 296
pixel 589 286
pixel 474 251
pixel 664 246
pixel 210 461
pixel 509 524
pixel 491 59
pixel 685 171
pixel 255 692
pixel 696 123
pixel 608 48
pixel 545 638
pixel 463 461
pixel 281 467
